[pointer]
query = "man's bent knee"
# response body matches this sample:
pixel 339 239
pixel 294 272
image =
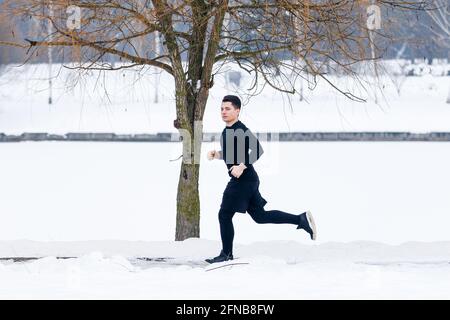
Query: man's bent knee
pixel 259 216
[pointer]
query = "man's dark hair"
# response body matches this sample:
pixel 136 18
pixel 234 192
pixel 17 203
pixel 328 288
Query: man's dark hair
pixel 234 100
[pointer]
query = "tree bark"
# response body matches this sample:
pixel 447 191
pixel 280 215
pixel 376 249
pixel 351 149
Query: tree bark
pixel 188 203
pixel 188 199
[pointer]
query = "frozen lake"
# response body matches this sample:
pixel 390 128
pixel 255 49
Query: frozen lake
pixel 390 192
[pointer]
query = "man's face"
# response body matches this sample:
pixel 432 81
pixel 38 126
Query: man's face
pixel 229 112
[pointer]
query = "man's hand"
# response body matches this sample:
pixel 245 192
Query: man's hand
pixel 213 154
pixel 236 171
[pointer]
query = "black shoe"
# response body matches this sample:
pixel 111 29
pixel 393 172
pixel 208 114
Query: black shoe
pixel 220 258
pixel 306 222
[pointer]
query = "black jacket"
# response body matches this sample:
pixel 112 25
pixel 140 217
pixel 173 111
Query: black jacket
pixel 240 145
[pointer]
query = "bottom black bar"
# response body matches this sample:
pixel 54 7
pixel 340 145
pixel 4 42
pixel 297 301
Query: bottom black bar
pixel 227 309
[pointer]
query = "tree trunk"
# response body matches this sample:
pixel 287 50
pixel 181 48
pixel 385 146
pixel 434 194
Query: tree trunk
pixel 188 200
pixel 188 203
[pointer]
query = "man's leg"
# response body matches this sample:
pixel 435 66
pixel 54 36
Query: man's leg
pixel 226 230
pixel 227 235
pixel 272 216
pixel 303 221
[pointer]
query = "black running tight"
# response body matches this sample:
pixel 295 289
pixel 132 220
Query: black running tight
pixel 259 215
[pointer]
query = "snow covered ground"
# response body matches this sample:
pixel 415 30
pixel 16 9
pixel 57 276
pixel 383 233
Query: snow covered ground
pixel 276 270
pixel 382 208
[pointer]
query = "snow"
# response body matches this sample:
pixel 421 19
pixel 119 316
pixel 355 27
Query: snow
pixel 381 208
pixel 276 270
pixel 390 192
pixel 381 211
pixel 123 102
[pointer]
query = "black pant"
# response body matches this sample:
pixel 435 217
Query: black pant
pixel 259 215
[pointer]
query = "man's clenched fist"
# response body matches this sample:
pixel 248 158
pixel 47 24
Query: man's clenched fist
pixel 213 154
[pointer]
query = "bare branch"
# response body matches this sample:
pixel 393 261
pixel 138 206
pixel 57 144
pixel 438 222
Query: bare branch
pixel 135 59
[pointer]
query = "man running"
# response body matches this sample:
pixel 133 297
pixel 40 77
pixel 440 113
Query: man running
pixel 240 150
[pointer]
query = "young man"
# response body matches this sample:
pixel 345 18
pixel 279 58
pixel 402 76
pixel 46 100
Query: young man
pixel 240 150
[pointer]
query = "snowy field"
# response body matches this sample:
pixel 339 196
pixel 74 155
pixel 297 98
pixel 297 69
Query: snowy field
pixel 390 192
pixel 382 209
pixel 123 102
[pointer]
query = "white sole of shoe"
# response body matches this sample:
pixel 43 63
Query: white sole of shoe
pixel 312 224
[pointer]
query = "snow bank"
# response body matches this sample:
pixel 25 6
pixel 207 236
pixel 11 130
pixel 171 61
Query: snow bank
pixel 276 270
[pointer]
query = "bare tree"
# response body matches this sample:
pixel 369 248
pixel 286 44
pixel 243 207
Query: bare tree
pixel 275 41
